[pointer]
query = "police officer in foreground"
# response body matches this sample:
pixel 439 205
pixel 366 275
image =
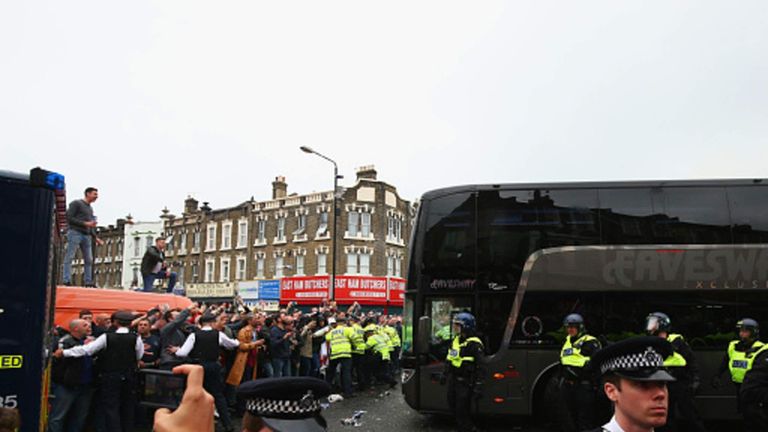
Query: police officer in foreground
pixel 203 345
pixel 461 369
pixel 683 415
pixel 635 381
pixel 576 386
pixel 753 393
pixel 740 355
pixel 119 355
pixel 289 404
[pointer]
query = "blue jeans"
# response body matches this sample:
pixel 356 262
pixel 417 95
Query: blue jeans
pixel 282 367
pixel 75 240
pixel 149 280
pixel 70 408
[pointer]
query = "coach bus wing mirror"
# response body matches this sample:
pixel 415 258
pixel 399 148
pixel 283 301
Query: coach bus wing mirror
pixel 422 337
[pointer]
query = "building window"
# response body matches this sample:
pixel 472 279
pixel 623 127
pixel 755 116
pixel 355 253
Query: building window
pixel 224 276
pixel 279 266
pixel 196 241
pixel 195 275
pixel 226 235
pixel 394 229
pixel 209 271
pixel 109 248
pixel 299 264
pixel 260 267
pixel 398 267
pixel 262 231
pixel 365 224
pixel 322 260
pixel 359 263
pixel 136 246
pixel 280 229
pixel 183 242
pixel 322 228
pixel 242 234
pixel 241 269
pixel 120 247
pixel 353 220
pixel 211 239
pixel 149 243
pixel 390 266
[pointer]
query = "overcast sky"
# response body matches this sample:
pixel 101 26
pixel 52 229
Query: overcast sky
pixel 153 101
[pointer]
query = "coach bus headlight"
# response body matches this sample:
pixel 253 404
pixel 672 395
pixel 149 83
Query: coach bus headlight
pixel 407 375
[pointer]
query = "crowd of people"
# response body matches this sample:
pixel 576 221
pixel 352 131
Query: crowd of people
pixel 97 378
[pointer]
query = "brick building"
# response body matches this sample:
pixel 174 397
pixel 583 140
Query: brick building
pixel 290 234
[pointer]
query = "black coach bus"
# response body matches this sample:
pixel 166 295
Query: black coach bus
pixel 522 256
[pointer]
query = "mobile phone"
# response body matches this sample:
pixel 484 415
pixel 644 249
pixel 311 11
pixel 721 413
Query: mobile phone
pixel 161 388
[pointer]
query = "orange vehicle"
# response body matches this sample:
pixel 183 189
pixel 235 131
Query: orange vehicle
pixel 71 300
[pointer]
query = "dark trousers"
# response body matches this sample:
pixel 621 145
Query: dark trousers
pixel 578 413
pixel 119 400
pixel 357 369
pixel 460 394
pixel 382 370
pixel 213 383
pixel 346 373
pixel 755 417
pixel 683 415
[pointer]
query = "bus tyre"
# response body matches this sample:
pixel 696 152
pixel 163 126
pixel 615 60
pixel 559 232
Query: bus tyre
pixel 546 400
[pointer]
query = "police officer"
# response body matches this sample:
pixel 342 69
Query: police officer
pixel 377 357
pixel 203 346
pixel 461 369
pixel 683 414
pixel 119 355
pixel 394 337
pixel 284 404
pixel 635 381
pixel 754 393
pixel 741 353
pixel 358 351
pixel 576 386
pixel 341 339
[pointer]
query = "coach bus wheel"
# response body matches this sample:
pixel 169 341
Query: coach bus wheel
pixel 545 400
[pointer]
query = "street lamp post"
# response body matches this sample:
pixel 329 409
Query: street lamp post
pixel 306 149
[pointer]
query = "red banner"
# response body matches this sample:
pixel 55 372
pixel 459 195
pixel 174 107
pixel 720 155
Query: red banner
pixel 396 291
pixel 366 290
pixel 311 290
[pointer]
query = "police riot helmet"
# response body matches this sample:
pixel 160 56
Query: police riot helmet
pixel 465 319
pixel 574 320
pixel 749 324
pixel 657 322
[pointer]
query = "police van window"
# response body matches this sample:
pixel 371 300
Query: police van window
pixel 749 213
pixel 450 239
pixel 441 310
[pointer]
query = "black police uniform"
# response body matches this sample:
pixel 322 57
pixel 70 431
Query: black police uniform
pixel 683 414
pixel 754 394
pixel 206 352
pixel 288 403
pixel 462 379
pixel 577 387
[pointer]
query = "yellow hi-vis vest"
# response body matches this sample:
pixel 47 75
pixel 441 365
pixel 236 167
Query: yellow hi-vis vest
pixel 674 360
pixel 571 355
pixel 340 339
pixel 358 341
pixel 454 354
pixel 740 362
pixel 393 336
pixel 378 344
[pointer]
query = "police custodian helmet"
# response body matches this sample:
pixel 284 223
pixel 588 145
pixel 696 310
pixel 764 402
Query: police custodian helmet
pixel 465 319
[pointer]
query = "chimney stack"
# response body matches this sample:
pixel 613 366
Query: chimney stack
pixel 366 172
pixel 190 205
pixel 279 188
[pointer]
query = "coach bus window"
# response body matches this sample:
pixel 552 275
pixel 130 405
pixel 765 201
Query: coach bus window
pixel 441 310
pixel 492 312
pixel 540 321
pixel 450 240
pixel 749 214
pixel 626 216
pixel 696 215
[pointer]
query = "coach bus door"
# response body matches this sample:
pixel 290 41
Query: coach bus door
pixel 27 228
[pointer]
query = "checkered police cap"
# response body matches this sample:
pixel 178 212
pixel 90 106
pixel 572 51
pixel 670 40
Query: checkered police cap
pixel 288 398
pixel 305 407
pixel 638 358
pixel 642 360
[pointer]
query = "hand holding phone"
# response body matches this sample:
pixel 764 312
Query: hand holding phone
pixel 195 413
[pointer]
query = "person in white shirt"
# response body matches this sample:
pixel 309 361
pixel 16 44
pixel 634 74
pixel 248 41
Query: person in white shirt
pixel 635 381
pixel 203 345
pixel 119 355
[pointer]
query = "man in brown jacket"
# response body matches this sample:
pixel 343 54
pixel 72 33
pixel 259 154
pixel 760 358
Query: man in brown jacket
pixel 247 344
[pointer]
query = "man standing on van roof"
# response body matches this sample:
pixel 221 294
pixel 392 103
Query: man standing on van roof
pixel 153 266
pixel 82 230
